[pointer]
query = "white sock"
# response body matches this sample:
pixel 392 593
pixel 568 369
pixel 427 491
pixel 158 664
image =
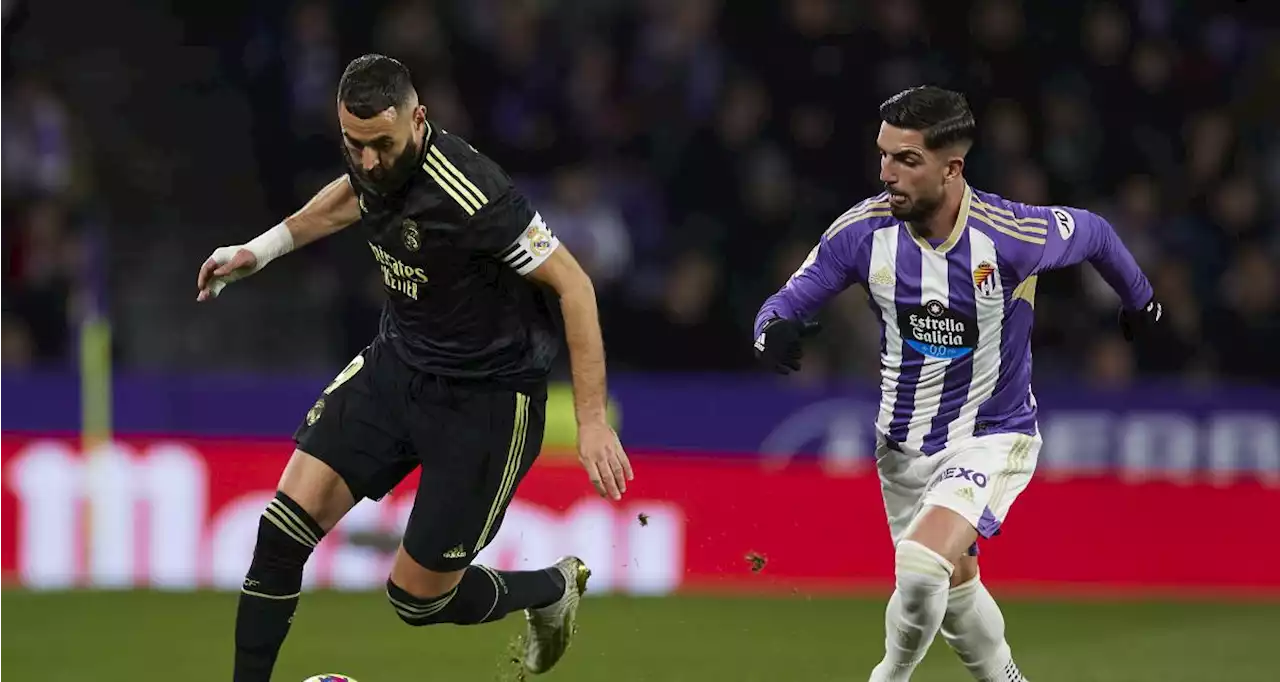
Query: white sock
pixel 915 610
pixel 974 627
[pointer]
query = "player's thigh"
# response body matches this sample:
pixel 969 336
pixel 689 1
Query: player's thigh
pixel 317 488
pixel 474 453
pixel 904 480
pixel 943 531
pixel 979 483
pixel 356 428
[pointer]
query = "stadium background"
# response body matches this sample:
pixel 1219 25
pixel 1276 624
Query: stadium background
pixel 689 151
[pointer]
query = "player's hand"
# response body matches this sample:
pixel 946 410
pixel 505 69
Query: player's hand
pixel 224 266
pixel 1137 324
pixel 781 344
pixel 602 456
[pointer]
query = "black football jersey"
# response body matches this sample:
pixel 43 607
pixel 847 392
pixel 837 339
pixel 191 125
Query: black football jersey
pixel 454 245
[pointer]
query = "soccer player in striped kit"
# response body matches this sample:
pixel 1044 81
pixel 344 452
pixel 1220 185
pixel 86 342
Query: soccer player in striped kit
pixel 951 275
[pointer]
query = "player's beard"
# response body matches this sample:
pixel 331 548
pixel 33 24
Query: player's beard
pixel 386 180
pixel 915 209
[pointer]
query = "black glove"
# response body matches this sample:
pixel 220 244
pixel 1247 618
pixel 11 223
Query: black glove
pixel 1136 324
pixel 780 346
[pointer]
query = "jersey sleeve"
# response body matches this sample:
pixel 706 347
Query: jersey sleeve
pixel 828 270
pixel 1076 236
pixel 511 231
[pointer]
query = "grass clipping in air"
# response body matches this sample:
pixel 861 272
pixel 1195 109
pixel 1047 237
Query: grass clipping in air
pixel 512 667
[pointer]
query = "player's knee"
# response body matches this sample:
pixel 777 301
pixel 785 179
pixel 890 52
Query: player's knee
pixel 921 573
pixel 418 611
pixel 286 536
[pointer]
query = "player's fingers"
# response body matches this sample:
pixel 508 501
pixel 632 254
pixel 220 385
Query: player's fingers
pixel 626 464
pixel 206 270
pixel 618 472
pixel 237 261
pixel 607 478
pixel 593 473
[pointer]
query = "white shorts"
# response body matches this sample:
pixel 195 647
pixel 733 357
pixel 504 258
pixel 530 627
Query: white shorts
pixel 978 479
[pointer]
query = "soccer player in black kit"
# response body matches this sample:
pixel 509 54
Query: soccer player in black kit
pixel 454 382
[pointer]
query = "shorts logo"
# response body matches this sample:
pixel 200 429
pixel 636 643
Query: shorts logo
pixel 977 477
pixel 984 279
pixel 965 493
pixel 456 553
pixel 409 235
pixel 313 414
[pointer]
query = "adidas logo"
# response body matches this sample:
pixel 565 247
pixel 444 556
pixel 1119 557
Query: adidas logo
pixel 966 493
pixel 881 277
pixel 458 553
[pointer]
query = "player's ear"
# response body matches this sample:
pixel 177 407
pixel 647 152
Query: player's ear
pixel 955 167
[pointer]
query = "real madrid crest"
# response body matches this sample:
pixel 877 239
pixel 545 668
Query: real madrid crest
pixel 313 414
pixel 539 239
pixel 409 235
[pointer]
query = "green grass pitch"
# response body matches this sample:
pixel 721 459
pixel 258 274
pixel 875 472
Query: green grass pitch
pixel 127 636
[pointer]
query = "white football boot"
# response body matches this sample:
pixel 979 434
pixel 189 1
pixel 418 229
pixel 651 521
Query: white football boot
pixel 552 627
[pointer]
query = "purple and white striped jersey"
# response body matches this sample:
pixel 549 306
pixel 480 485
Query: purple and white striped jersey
pixel 955 317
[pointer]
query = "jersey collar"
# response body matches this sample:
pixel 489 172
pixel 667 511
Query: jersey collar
pixel 957 230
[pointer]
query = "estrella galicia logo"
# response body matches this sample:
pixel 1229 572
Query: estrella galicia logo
pixel 936 332
pixel 977 477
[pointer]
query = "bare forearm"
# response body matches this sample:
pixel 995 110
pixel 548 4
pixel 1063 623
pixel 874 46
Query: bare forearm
pixel 331 209
pixel 586 351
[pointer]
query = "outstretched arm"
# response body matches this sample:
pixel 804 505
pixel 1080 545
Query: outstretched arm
pixel 332 208
pixel 509 230
pixel 598 447
pixel 825 272
pixel 1076 236
pixel 782 321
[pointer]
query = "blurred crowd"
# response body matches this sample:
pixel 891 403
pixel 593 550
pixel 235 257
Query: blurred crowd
pixel 690 152
pixel 42 190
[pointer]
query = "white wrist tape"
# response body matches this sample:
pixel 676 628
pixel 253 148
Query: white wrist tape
pixel 266 247
pixel 270 245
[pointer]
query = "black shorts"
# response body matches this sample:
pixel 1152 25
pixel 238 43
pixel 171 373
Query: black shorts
pixel 379 419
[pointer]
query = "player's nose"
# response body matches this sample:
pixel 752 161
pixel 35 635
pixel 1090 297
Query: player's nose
pixel 369 159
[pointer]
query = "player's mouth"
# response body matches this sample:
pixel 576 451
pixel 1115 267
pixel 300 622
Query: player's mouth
pixel 896 199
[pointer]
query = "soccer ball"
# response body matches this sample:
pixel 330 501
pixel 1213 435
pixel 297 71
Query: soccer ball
pixel 330 677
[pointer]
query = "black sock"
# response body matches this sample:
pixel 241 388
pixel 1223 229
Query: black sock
pixel 482 596
pixel 286 536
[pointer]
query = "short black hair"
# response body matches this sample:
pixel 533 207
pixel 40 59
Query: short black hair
pixel 372 83
pixel 943 116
